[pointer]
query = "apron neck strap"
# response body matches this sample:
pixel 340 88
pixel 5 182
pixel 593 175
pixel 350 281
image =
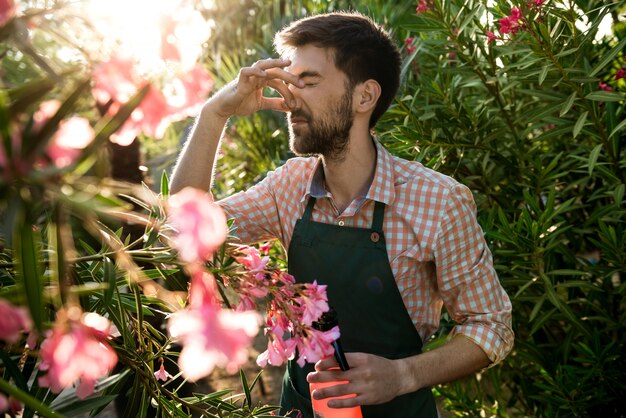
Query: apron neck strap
pixel 379 215
pixel 309 209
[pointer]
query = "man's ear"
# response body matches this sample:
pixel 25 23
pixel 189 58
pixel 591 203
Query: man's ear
pixel 366 95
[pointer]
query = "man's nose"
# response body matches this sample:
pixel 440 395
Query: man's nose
pixel 296 95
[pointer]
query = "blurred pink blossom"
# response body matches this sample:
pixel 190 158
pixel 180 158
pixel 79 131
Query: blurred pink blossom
pixel 200 224
pixel 176 98
pixel 211 336
pixel 7 11
pixel 491 37
pixel 4 403
pixel 604 86
pixel 73 135
pixel 408 45
pixel 14 320
pixel 621 73
pixel 162 374
pixel 316 345
pixel 76 350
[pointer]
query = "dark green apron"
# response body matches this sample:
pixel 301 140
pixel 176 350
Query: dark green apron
pixel 353 263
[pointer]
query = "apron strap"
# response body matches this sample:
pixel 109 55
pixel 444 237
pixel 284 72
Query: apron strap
pixel 309 209
pixel 379 215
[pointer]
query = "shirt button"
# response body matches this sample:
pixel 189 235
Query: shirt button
pixel 375 237
pixel 341 223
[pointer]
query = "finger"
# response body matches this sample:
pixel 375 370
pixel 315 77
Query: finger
pixel 252 72
pixel 326 363
pixel 333 391
pixel 271 63
pixel 286 76
pixel 345 402
pixel 275 103
pixel 283 90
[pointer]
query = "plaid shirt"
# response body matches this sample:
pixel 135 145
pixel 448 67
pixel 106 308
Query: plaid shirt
pixel 435 246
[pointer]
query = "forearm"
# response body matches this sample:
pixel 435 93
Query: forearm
pixel 457 358
pixel 195 165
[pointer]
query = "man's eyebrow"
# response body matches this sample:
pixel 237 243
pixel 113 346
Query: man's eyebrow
pixel 309 73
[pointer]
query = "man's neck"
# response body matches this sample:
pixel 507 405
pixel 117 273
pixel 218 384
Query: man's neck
pixel 350 177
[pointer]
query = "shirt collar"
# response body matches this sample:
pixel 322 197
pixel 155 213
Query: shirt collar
pixel 382 188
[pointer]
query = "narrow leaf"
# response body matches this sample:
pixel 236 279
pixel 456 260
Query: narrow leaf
pixel 580 123
pixel 593 157
pixel 165 184
pixel 608 57
pixel 605 96
pixel 543 74
pixel 568 104
pixel 619 127
pixel 27 254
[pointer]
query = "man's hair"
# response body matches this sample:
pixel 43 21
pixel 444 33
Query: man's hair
pixel 362 50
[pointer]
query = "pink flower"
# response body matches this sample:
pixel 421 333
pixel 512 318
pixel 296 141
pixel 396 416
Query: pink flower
pixel 211 336
pixel 199 222
pixel 313 302
pixel 252 259
pixel 316 345
pixel 621 73
pixel 512 23
pixel 278 351
pixel 74 134
pixel 77 350
pixel 4 403
pixel 408 45
pixel 7 11
pixel 491 37
pixel 13 322
pixel 180 96
pixel 162 374
pixel 422 6
pixel 604 86
pixel 536 3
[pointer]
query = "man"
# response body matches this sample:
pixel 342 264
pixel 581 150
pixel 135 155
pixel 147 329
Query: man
pixel 393 240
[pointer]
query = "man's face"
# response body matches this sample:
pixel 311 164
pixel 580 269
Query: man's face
pixel 322 121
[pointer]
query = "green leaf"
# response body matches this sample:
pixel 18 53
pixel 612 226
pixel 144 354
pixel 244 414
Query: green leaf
pixel 246 387
pixel 593 158
pixel 608 57
pixel 109 277
pixel 567 105
pixel 580 123
pixel 165 184
pixel 81 406
pixel 606 96
pixel 28 268
pixel 618 194
pixel 13 370
pixel 619 127
pixel 543 74
pixel 29 401
pixel 25 95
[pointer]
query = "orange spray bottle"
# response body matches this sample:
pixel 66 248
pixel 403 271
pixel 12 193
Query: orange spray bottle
pixel 320 407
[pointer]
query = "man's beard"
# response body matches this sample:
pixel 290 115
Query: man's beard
pixel 328 134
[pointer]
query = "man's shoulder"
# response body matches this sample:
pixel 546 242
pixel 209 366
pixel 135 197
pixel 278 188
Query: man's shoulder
pixel 416 174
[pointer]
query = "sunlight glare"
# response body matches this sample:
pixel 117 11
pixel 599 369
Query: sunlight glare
pixel 151 31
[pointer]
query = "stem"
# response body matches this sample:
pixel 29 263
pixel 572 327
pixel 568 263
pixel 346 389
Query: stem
pixel 32 402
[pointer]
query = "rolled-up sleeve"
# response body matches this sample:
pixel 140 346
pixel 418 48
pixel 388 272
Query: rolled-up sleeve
pixel 467 281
